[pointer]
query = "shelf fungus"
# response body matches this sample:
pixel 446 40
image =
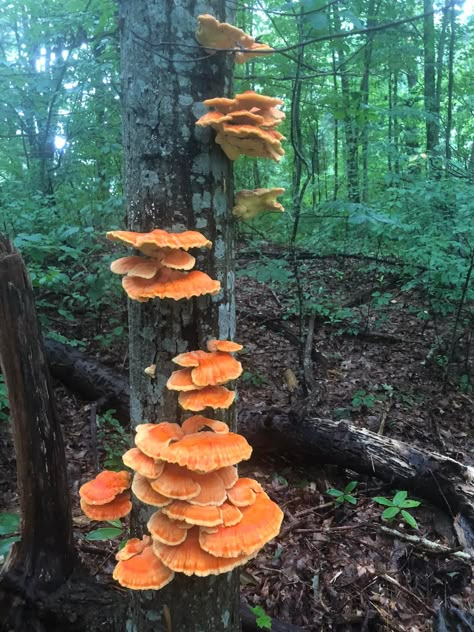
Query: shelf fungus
pixel 106 497
pixel 246 125
pixel 212 34
pixel 207 520
pixel 250 203
pixel 165 270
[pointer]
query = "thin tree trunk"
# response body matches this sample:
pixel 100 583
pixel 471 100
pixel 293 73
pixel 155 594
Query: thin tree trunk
pixel 449 115
pixel 432 125
pixel 364 90
pixel 44 558
pixel 176 178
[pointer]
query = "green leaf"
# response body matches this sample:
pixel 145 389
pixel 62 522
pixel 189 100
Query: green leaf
pixel 115 523
pixel 399 497
pixel 350 499
pixel 5 545
pixel 381 500
pixel 334 492
pixel 390 513
pixel 409 504
pixel 409 519
pixel 9 523
pixel 105 533
pixel 350 487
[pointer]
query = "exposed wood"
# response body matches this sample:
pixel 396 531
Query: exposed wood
pixel 437 478
pixel 44 558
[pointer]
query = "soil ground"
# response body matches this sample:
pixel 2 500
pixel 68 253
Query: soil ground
pixel 333 568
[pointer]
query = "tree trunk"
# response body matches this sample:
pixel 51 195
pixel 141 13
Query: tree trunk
pixel 449 115
pixel 176 178
pixel 44 558
pixel 432 125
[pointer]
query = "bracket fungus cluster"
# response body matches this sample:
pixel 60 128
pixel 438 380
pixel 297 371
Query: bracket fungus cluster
pixel 212 34
pixel 200 381
pixel 166 269
pixel 246 125
pixel 250 203
pixel 207 520
pixel 106 497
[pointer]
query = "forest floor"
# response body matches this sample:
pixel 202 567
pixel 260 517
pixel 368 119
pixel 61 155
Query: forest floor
pixel 333 568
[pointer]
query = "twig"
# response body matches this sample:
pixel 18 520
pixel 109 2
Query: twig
pixel 383 419
pixel 428 544
pixel 394 582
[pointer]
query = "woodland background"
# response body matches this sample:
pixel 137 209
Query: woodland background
pixel 356 303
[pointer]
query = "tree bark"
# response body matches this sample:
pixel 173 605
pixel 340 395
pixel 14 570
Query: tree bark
pixel 44 558
pixel 432 124
pixel 176 178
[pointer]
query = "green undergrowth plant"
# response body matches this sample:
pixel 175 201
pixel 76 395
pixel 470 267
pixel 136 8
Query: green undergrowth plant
pixel 262 619
pixel 9 532
pixel 113 438
pixel 398 505
pixel 4 406
pixel 115 530
pixel 345 495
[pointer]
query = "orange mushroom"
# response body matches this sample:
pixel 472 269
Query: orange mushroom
pixel 228 475
pixel 136 266
pixel 231 515
pixel 143 490
pixel 143 464
pixel 190 358
pixel 223 345
pixel 208 451
pixel 216 368
pixel 176 482
pixel 119 507
pixel 210 516
pixel 213 490
pixel 158 238
pixel 143 571
pixel 208 397
pixel 181 381
pixel 190 559
pixel 169 283
pixel 198 422
pixel 154 439
pixel 104 487
pixel 244 492
pixel 132 547
pixel 260 523
pixel 166 530
pixel 250 203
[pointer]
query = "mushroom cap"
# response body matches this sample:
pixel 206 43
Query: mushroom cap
pixel 154 439
pixel 189 359
pixel 197 422
pixel 223 345
pixel 143 267
pixel 244 117
pixel 249 203
pixel 209 516
pixel 143 464
pixel 214 34
pixel 247 132
pixel 243 56
pixel 208 451
pixel 231 515
pixel 166 530
pixel 181 380
pixel 216 368
pixel 177 259
pixel 190 559
pixel 119 507
pixel 222 104
pixel 213 119
pixel 228 475
pixel 244 492
pixel 143 490
pixel 169 283
pixel 176 482
pixel 143 571
pixel 104 487
pixel 260 523
pixel 132 547
pixel 213 490
pixel 158 238
pixel 250 99
pixel 272 116
pixel 257 142
pixel 208 397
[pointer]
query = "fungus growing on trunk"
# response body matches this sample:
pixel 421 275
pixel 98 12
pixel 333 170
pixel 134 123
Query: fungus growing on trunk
pixel 212 34
pixel 250 203
pixel 143 571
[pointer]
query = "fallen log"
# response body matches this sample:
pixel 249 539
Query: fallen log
pixel 443 481
pixel 447 483
pixel 89 378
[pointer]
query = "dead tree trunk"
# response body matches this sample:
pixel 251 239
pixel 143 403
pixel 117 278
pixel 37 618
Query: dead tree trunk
pixel 176 178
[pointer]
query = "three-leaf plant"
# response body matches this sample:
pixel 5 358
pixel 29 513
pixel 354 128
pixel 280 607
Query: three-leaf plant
pixel 399 504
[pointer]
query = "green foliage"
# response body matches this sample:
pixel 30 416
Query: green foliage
pixel 9 525
pixel 398 505
pixel 255 378
pixel 4 406
pixel 345 495
pixel 261 618
pixel 113 438
pixel 106 533
pixel 363 399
